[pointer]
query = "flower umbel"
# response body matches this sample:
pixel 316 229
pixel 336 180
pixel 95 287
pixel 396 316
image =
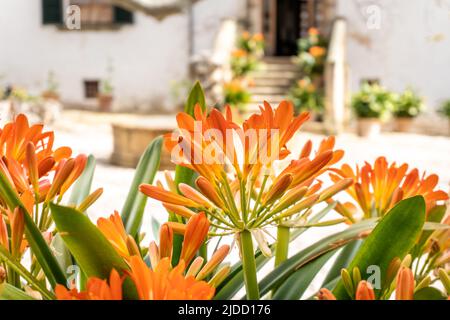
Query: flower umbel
pixel 380 186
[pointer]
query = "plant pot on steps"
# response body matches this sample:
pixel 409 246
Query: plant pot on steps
pixel 369 127
pixel 105 102
pixel 403 124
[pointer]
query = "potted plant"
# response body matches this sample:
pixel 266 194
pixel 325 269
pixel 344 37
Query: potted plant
pixel 445 110
pixel 312 53
pixel 306 96
pixel 51 93
pixel 372 105
pixel 236 93
pixel 408 106
pixel 105 96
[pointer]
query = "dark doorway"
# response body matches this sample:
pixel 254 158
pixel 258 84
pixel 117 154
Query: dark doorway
pixel 288 27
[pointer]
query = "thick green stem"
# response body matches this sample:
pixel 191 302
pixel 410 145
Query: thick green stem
pixel 282 247
pixel 249 265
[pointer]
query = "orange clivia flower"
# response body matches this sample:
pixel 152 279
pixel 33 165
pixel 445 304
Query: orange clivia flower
pixel 239 53
pixel 364 291
pixel 405 285
pixel 317 51
pixel 258 37
pixel 28 157
pixel 378 187
pixel 167 283
pixel 237 187
pixel 114 230
pixel 96 289
pixel 325 294
pixel 196 232
pixel 313 31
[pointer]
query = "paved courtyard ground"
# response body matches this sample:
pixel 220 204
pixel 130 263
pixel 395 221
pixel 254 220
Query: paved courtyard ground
pixel 92 134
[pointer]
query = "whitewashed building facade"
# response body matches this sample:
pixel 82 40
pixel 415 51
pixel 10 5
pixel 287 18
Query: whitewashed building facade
pixel 399 43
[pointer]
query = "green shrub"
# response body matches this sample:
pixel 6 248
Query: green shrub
pixel 373 101
pixel 408 105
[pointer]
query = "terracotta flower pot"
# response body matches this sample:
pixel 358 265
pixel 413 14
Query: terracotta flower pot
pixel 50 95
pixel 403 124
pixel 369 127
pixel 105 102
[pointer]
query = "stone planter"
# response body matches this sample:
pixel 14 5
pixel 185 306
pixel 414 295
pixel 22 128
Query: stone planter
pixel 131 139
pixel 403 124
pixel 105 102
pixel 369 127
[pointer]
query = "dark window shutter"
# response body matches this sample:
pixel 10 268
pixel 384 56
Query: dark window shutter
pixel 52 12
pixel 122 16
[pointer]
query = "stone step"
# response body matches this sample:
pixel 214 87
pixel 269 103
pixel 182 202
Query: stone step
pixel 273 82
pixel 268 67
pixel 278 60
pixel 268 90
pixel 272 98
pixel 292 75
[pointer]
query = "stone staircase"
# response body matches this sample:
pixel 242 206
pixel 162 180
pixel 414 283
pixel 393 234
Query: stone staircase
pixel 272 81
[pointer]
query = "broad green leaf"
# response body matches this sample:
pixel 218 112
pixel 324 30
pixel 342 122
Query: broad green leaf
pixel 34 237
pixel 296 285
pixel 82 187
pixel 133 209
pixel 93 252
pixel 343 259
pixel 9 292
pixel 235 280
pixel 183 174
pixel 280 274
pixel 429 293
pixel 394 236
pixel 24 273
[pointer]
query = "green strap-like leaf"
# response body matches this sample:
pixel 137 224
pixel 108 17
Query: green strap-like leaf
pixel 280 274
pixel 429 293
pixel 235 280
pixel 9 292
pixel 343 259
pixel 435 215
pixel 296 285
pixel 93 252
pixel 133 209
pixel 394 236
pixel 34 237
pixel 24 273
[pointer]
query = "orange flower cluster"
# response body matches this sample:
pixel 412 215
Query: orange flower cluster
pixel 27 158
pixel 162 281
pixel 380 186
pixel 237 186
pixel 317 51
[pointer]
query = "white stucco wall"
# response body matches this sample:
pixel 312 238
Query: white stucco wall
pixel 410 48
pixel 146 56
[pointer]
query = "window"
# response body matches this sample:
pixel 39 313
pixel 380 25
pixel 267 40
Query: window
pixel 94 13
pixel 91 88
